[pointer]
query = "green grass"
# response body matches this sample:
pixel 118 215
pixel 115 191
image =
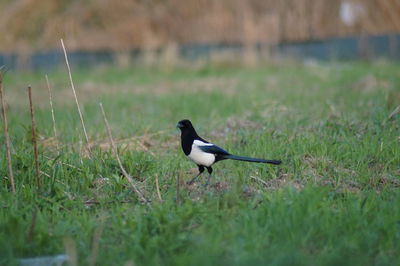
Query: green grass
pixel 334 200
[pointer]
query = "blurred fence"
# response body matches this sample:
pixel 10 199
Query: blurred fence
pixel 348 48
pixel 122 31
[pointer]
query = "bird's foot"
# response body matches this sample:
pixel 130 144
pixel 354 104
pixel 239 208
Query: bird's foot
pixel 208 181
pixel 206 185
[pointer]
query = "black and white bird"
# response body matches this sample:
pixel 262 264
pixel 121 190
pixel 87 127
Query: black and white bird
pixel 205 154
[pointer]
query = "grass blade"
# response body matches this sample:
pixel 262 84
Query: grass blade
pixel 6 136
pixel 34 140
pixel 76 98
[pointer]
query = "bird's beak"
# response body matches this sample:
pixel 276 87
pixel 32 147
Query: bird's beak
pixel 179 125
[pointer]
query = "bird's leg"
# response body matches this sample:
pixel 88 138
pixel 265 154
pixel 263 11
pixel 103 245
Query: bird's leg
pixel 201 170
pixel 209 170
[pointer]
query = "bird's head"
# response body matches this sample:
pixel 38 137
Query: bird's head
pixel 184 124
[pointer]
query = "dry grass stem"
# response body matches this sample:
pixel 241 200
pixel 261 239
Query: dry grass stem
pixel 45 174
pixel 34 140
pixel 395 112
pixel 158 189
pixel 76 98
pixel 114 148
pixel 6 136
pixel 66 164
pixel 260 180
pixel 52 111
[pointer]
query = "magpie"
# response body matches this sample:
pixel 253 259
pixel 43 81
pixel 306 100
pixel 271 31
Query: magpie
pixel 205 154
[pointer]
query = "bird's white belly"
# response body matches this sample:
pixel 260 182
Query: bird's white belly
pixel 201 158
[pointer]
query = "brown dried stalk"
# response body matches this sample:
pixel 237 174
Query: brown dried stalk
pixel 395 112
pixel 114 148
pixel 158 189
pixel 34 141
pixel 6 136
pixel 260 180
pixel 76 98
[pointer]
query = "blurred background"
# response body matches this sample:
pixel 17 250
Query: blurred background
pixel 126 32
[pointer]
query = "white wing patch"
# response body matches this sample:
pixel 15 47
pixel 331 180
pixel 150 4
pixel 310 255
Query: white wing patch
pixel 200 157
pixel 201 143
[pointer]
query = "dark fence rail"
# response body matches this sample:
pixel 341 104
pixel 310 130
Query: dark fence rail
pixel 350 48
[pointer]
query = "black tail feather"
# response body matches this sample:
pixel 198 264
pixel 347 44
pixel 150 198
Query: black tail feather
pixel 254 160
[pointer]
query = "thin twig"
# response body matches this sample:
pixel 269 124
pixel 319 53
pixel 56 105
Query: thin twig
pixel 52 112
pixel 158 189
pixel 34 141
pixel 114 148
pixel 6 136
pixel 76 98
pixel 395 112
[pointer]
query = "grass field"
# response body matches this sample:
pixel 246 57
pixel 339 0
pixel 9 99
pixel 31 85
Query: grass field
pixel 335 200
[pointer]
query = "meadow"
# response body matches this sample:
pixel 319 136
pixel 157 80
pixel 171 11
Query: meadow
pixel 335 200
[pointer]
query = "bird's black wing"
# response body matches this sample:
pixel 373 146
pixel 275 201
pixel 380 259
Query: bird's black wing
pixel 213 149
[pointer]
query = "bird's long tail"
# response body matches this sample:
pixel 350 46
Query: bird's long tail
pixel 254 160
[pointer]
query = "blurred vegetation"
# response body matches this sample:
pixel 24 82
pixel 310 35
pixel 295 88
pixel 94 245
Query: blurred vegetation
pixel 120 25
pixel 333 201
